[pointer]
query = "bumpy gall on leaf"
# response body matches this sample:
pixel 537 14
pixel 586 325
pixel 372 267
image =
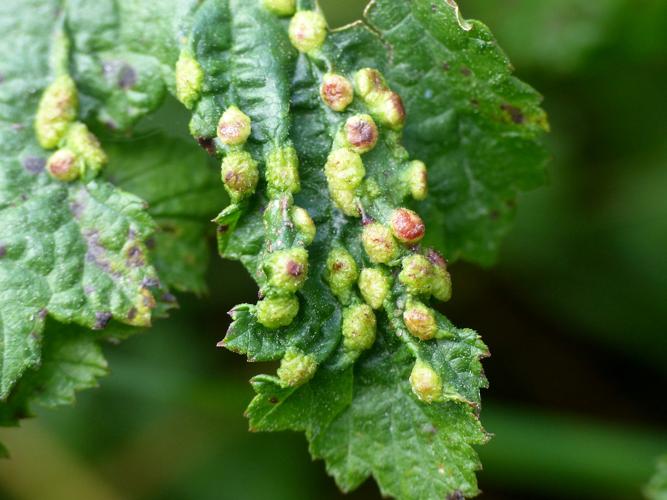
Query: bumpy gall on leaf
pixel 274 312
pixel 296 368
pixel 425 382
pixel 287 270
pixel 374 284
pixel 234 127
pixel 307 30
pixel 336 91
pixel 359 327
pixel 56 111
pixel 379 244
pixel 239 174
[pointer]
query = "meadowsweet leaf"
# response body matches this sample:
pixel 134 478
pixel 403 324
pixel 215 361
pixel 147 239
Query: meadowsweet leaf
pixel 73 251
pixel 475 125
pixel 71 360
pixel 122 56
pixel 359 408
pixel 182 202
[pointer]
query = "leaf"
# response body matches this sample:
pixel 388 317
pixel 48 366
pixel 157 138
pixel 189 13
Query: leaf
pixel 73 251
pixel 366 420
pixel 122 56
pixel 71 360
pixel 359 410
pixel 183 193
pixel 473 123
pixel 656 489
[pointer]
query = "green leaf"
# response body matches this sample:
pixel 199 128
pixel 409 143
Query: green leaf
pixel 183 192
pixel 122 56
pixel 392 393
pixel 656 489
pixel 359 410
pixel 473 123
pixel 71 360
pixel 73 251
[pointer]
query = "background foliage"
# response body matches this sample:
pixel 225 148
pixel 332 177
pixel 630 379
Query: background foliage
pixel 573 314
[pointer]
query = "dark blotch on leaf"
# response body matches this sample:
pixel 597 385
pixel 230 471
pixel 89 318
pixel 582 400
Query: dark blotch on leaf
pixel 127 77
pixel 34 164
pixel 101 320
pixel 135 257
pixel 207 144
pixel 3 251
pixel 150 282
pixel 465 71
pixel 273 400
pixel 445 66
pixel 515 113
pixel 132 313
pixel 223 228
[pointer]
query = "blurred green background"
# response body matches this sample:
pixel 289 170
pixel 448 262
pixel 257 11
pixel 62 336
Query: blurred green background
pixel 575 312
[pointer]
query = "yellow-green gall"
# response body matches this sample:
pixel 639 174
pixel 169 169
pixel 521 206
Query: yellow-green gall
pixel 359 326
pixel 296 368
pixel 369 83
pixel 361 133
pixel 420 320
pixel 287 270
pixel 189 79
pixel 234 127
pixel 442 281
pixel 417 275
pixel 57 109
pixel 346 200
pixel 374 284
pixel 442 284
pixel 304 225
pixel 239 174
pixel 407 226
pixel 281 7
pixel 425 382
pixel 342 273
pixel 391 111
pixel 386 105
pixel 86 146
pixel 274 312
pixel 344 170
pixel 282 171
pixel 416 178
pixel 336 91
pixel 379 243
pixel 64 165
pixel 307 30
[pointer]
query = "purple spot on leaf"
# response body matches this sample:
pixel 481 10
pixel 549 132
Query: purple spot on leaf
pixel 34 164
pixel 101 320
pixel 127 77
